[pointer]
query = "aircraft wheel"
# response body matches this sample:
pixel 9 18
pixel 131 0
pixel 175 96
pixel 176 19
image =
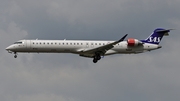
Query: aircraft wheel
pixel 98 57
pixel 95 61
pixel 15 56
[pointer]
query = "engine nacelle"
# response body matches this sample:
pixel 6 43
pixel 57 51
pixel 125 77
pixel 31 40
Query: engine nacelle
pixel 133 42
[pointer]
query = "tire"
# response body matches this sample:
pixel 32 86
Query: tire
pixel 15 56
pixel 95 61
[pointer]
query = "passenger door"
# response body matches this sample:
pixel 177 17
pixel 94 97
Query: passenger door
pixel 28 44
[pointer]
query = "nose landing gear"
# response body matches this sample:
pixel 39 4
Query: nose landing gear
pixel 15 55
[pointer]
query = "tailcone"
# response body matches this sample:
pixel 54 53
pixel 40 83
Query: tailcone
pixel 159 47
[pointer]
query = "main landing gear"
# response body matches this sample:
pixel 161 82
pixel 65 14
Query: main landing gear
pixel 96 58
pixel 15 55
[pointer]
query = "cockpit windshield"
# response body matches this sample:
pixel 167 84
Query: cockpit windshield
pixel 18 43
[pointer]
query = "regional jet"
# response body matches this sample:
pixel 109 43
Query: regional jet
pixel 91 48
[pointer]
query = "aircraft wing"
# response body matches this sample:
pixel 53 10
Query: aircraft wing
pixel 102 49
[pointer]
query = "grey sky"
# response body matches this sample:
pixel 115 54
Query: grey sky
pixel 151 76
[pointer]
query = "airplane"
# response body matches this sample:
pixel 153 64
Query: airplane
pixel 90 48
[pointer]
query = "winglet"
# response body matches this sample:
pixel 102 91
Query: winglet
pixel 122 39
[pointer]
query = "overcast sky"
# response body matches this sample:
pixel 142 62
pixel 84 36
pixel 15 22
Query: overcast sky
pixel 151 76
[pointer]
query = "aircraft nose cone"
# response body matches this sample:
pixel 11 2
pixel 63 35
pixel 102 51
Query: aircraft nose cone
pixel 10 48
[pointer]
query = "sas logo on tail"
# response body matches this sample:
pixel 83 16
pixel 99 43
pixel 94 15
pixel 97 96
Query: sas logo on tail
pixel 154 39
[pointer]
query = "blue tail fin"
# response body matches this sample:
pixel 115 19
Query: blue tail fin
pixel 156 36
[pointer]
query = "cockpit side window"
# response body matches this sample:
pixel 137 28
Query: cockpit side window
pixel 18 43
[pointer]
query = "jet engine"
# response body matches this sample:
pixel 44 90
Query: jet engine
pixel 133 42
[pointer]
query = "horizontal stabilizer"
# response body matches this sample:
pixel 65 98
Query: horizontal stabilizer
pixel 164 31
pixel 166 34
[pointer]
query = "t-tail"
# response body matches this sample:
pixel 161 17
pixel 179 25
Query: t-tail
pixel 156 36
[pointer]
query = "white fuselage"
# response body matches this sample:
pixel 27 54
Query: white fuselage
pixel 90 48
pixel 76 47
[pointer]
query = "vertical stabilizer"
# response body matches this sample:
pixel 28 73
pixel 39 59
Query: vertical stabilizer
pixel 156 36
